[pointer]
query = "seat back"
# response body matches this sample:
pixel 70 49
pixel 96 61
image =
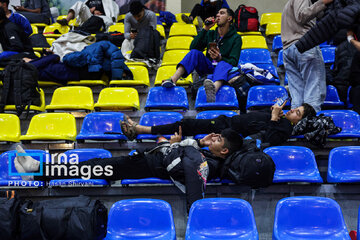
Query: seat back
pixel 118 27
pixel 174 56
pixel 271 68
pixel 72 98
pixel 328 54
pixel 280 61
pixel 179 42
pixel 51 126
pixel 167 98
pixel 263 96
pixel 294 164
pixel 273 29
pixel 316 218
pixel 253 41
pixel 332 97
pixel 255 55
pixel 214 114
pixel 118 98
pixel 220 218
pixel 344 164
pixel 178 29
pixel 10 128
pixel 277 43
pixel 52 28
pixel 272 17
pixel 347 120
pixel 225 99
pixel 96 126
pixel 140 218
pixel 165 72
pixel 85 154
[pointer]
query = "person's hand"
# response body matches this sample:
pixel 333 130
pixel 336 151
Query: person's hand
pixel 206 141
pixel 207 27
pixel 133 35
pixel 19 8
pixel 277 112
pixel 215 54
pixel 350 33
pixel 327 1
pixel 176 137
pixel 92 10
pixel 97 13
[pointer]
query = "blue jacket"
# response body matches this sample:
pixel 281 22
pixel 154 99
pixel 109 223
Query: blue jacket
pixel 99 56
pixel 22 22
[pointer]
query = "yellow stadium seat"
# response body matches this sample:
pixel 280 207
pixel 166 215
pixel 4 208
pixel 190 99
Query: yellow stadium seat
pixel 103 82
pixel 132 63
pixel 40 108
pixel 165 72
pixel 118 99
pixel 141 77
pixel 1 83
pixel 273 17
pixel 118 27
pixel 161 30
pixel 49 30
pixel 273 29
pixel 34 29
pixel 41 25
pixel 213 27
pixel 37 54
pixel 72 22
pixel 120 17
pixel 251 41
pixel 72 98
pixel 50 40
pixel 178 29
pixel 173 57
pixel 51 126
pixel 179 19
pixel 249 33
pixel 10 128
pixel 180 42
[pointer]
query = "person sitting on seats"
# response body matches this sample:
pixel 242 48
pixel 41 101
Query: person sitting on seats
pixel 272 127
pixel 16 17
pixel 108 10
pixel 36 11
pixel 223 51
pixel 182 161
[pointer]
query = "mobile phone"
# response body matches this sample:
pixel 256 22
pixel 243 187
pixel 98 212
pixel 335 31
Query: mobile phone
pixel 212 45
pixel 281 101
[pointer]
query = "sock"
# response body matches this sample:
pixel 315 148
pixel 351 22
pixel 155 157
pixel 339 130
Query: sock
pixel 20 169
pixel 28 163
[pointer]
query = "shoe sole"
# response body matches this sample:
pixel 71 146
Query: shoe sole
pixel 168 84
pixel 209 91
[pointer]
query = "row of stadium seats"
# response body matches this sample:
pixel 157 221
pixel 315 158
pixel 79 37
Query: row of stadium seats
pixel 220 218
pixel 293 164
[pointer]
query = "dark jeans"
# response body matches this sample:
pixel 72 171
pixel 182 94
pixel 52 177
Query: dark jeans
pixel 36 17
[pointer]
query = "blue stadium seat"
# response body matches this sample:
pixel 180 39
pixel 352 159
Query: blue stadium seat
pixel 255 55
pixel 332 98
pixel 348 120
pixel 280 61
pixel 167 98
pixel 96 125
pixel 221 218
pixel 309 218
pixel 277 43
pixel 141 219
pixel 344 164
pixel 225 99
pixel 9 177
pixel 348 102
pixel 82 155
pixel 328 54
pixel 213 114
pixel 286 81
pixel 157 118
pixel 294 164
pixel 264 96
pixel 326 45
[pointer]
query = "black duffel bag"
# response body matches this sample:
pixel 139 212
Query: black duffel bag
pixel 76 218
pixel 9 218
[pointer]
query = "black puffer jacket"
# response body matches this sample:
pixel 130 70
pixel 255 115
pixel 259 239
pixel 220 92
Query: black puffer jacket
pixel 13 38
pixel 339 15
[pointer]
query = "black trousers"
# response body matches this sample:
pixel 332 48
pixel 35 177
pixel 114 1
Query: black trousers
pixel 36 17
pixel 355 82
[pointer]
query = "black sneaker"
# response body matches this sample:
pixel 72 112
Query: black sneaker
pixel 186 19
pixel 62 22
pixel 168 83
pixel 209 90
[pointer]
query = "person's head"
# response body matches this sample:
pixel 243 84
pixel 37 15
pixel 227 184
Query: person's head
pixel 4 4
pixel 137 9
pixel 296 114
pixel 2 15
pixel 226 143
pixel 225 16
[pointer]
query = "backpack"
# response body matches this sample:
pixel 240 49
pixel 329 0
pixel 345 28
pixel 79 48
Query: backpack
pixel 39 41
pixel 63 219
pixel 246 19
pixel 249 166
pixel 147 44
pixel 20 86
pixel 93 25
pixel 9 207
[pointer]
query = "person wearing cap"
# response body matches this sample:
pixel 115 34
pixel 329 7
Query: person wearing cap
pixel 138 18
pixel 204 10
pixel 108 10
